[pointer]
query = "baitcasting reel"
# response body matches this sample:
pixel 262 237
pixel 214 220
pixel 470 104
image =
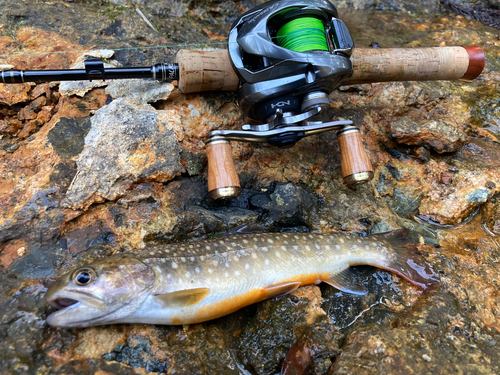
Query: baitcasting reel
pixel 289 56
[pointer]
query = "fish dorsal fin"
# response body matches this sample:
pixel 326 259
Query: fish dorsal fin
pixel 280 289
pixel 182 298
pixel 345 281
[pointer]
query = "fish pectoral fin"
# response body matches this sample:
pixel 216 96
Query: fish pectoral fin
pixel 346 282
pixel 277 290
pixel 183 298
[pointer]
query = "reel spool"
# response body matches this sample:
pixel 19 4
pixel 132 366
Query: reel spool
pixel 290 55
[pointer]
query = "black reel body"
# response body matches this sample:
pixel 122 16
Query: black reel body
pixel 271 72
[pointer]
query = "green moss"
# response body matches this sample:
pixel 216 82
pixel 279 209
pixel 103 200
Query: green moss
pixel 113 11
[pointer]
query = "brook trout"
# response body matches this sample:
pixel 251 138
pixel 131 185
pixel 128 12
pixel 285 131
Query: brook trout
pixel 198 281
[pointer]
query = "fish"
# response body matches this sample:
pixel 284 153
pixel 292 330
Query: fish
pixel 186 283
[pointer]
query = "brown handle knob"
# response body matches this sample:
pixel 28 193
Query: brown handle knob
pixel 206 71
pixel 223 181
pixel 355 165
pixel 415 64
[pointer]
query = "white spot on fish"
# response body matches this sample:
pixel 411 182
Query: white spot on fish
pixel 327 247
pixel 308 248
pixel 247 266
pixel 255 239
pixel 191 259
pixel 295 236
pixel 191 246
pixel 174 265
pixel 295 247
pixel 234 244
pixel 163 260
pixel 226 274
pixel 367 247
pixel 188 274
pixel 169 276
pixel 210 270
pixel 266 262
pixel 359 241
pixel 254 255
pixel 245 241
pixel 183 260
pixel 202 258
pixel 216 263
pixel 269 240
pixel 341 240
pixel 152 253
pixel 317 246
pixel 321 236
pixel 207 247
pixel 227 264
pixel 237 273
pixel 236 258
pixel 285 235
pixel 285 242
pixel 283 248
pixel 311 236
pixel 197 269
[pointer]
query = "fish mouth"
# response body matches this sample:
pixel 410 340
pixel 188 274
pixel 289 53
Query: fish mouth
pixel 61 303
pixel 74 308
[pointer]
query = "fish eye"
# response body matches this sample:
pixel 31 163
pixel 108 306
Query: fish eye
pixel 84 276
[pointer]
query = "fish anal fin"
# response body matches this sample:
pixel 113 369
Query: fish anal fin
pixel 345 281
pixel 183 298
pixel 280 289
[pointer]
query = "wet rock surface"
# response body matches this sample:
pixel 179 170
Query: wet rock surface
pixel 120 165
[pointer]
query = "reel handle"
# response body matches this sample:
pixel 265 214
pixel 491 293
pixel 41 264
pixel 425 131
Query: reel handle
pixel 415 64
pixel 355 165
pixel 223 181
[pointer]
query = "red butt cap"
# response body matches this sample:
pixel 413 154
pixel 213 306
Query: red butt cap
pixel 476 62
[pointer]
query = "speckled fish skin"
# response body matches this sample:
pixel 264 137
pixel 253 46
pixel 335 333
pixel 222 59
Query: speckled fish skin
pixel 198 281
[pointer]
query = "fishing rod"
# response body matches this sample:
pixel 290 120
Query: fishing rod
pixel 284 58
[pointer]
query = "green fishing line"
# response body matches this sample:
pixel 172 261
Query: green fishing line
pixel 302 35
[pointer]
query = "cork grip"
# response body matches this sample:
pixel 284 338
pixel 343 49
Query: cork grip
pixel 355 165
pixel 223 181
pixel 206 71
pixel 415 64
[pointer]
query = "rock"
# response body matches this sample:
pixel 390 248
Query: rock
pixel 139 91
pixel 125 144
pixel 454 202
pixel 490 212
pixel 288 205
pixel 14 94
pixel 436 134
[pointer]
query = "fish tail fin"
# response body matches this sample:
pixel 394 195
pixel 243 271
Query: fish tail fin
pixel 408 262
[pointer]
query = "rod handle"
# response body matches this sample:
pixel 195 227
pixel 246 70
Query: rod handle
pixel 415 64
pixel 223 181
pixel 355 165
pixel 206 71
